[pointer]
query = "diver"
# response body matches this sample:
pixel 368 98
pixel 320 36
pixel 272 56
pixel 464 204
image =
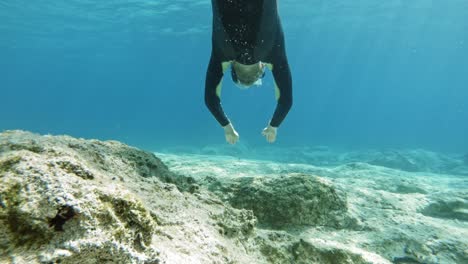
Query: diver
pixel 247 37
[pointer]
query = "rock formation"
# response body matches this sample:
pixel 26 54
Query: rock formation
pixel 68 200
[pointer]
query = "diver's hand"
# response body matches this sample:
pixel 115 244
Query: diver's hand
pixel 270 133
pixel 231 134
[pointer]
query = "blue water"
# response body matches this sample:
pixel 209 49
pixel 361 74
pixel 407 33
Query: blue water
pixel 366 73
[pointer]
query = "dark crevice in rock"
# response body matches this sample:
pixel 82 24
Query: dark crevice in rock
pixel 64 214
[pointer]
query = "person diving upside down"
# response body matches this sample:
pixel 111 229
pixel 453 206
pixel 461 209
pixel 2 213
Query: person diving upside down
pixel 247 37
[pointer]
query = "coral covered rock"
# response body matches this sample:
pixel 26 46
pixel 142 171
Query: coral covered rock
pixel 67 200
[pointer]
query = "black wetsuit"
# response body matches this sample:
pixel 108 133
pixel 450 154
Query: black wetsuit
pixel 248 31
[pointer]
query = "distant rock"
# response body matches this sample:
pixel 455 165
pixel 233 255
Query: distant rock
pixel 292 199
pixel 396 160
pixel 412 160
pixel 452 208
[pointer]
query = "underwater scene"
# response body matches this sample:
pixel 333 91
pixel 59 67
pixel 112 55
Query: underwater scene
pixel 234 131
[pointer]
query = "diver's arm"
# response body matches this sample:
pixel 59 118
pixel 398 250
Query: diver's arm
pixel 283 86
pixel 283 92
pixel 214 75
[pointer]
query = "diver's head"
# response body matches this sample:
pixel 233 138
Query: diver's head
pixel 244 76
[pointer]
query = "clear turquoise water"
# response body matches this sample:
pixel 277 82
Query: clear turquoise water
pixel 366 73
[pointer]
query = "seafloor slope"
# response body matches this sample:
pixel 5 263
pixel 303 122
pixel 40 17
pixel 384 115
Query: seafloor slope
pixel 67 200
